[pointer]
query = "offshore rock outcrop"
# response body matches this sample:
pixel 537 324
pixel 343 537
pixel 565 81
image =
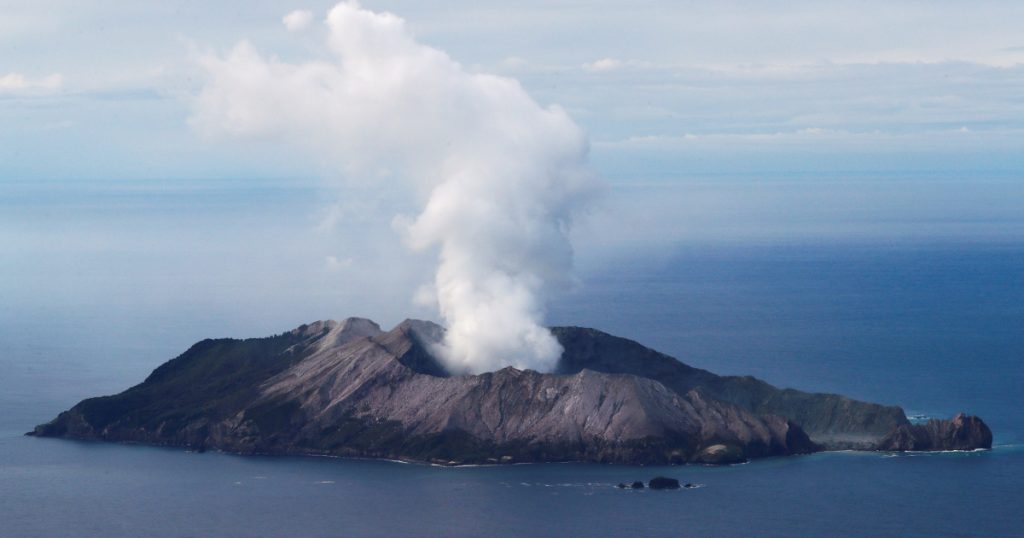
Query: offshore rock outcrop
pixel 663 482
pixel 962 432
pixel 351 389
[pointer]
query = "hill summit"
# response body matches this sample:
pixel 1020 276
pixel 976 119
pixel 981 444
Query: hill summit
pixel 350 388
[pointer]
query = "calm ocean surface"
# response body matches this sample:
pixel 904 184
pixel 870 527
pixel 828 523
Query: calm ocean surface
pixel 936 327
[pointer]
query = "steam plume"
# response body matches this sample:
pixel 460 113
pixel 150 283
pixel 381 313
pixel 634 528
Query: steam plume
pixel 500 177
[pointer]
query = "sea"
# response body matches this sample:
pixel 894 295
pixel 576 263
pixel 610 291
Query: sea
pixel 102 283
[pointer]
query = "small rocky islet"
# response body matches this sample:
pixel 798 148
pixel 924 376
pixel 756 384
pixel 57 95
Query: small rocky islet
pixel 351 389
pixel 656 483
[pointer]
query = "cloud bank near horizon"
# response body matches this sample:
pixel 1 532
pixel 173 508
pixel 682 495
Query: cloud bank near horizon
pixel 499 178
pixel 892 85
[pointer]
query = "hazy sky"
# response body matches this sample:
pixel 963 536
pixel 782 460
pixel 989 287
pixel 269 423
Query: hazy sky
pixel 713 122
pixel 101 89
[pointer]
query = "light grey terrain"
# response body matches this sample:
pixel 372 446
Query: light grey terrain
pixel 351 389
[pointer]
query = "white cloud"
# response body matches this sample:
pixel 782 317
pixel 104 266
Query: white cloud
pixel 809 135
pixel 19 83
pixel 335 263
pixel 500 177
pixel 297 20
pixel 604 64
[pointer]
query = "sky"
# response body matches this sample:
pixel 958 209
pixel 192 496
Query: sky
pixel 708 123
pixel 102 89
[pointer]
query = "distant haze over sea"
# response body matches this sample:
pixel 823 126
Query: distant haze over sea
pixel 110 280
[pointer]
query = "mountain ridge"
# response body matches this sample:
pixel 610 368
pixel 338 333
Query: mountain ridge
pixel 351 389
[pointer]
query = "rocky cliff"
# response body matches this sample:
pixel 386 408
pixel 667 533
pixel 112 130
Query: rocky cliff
pixel 962 432
pixel 351 389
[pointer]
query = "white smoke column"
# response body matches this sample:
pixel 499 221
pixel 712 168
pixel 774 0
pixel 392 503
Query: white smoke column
pixel 500 176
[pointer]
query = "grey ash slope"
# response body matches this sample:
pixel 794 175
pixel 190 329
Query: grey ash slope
pixel 351 389
pixel 834 421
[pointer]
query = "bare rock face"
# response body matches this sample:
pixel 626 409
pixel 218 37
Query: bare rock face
pixel 720 454
pixel 962 432
pixel 387 386
pixel 351 389
pixel 830 420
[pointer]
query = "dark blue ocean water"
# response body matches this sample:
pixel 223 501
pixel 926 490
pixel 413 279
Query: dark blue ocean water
pixel 934 326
